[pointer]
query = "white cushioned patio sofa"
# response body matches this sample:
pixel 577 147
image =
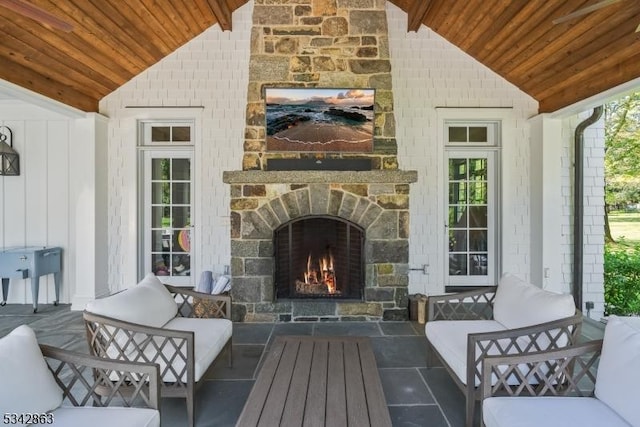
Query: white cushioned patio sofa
pixel 44 385
pixel 181 330
pixel 571 387
pixel 514 317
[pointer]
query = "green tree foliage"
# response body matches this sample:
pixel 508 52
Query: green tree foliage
pixel 622 151
pixel 622 281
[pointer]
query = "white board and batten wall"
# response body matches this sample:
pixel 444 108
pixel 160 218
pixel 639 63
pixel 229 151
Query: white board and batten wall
pixel 55 200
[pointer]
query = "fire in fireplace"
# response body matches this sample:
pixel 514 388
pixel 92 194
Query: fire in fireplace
pixel 319 257
pixel 320 277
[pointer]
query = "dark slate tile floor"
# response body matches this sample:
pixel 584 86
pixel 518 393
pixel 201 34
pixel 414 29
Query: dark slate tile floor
pixel 416 395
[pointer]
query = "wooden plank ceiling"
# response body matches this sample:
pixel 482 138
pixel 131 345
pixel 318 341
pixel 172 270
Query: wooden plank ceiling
pixel 111 41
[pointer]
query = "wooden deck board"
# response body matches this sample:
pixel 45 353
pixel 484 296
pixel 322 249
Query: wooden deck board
pixel 317 382
pixel 296 399
pixel 336 398
pixel 315 414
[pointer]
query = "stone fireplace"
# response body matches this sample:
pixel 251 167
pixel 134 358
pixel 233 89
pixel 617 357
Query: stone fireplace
pixel 319 244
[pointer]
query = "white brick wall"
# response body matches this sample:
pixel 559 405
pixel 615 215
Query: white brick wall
pixel 210 71
pixel 429 72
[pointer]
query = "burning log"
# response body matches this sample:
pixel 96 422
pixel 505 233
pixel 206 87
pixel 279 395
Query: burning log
pixel 311 288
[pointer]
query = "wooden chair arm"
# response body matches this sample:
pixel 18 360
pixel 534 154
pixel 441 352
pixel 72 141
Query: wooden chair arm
pixel 541 337
pixel 120 340
pixel 198 304
pixel 470 305
pixel 560 372
pixel 87 379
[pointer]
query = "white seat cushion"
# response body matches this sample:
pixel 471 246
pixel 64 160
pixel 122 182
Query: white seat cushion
pixel 26 384
pixel 70 416
pixel 518 304
pixel 210 336
pixel 449 337
pixel 618 374
pixel 548 412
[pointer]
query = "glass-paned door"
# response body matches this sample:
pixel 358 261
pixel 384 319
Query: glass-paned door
pixel 168 210
pixel 471 218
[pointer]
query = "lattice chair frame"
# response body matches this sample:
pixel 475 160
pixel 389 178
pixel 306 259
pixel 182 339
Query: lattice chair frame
pixel 172 350
pixel 469 305
pixel 541 337
pixel 200 305
pixel 478 305
pixel 89 380
pixel 570 371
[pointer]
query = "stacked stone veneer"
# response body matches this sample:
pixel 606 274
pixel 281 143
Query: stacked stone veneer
pixel 320 43
pixel 377 201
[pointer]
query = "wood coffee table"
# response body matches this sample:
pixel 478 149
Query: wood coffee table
pixel 317 381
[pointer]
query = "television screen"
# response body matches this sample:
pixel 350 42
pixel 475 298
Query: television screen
pixel 328 120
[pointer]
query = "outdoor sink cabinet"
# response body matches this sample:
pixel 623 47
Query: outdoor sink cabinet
pixel 515 317
pixel 33 262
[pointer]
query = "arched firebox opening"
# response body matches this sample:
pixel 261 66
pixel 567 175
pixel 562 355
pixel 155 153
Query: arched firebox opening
pixel 319 257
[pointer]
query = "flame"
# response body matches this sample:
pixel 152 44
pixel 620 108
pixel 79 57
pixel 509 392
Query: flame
pixel 324 275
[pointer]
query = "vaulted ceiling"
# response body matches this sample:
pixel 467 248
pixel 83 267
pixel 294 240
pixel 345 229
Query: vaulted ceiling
pixel 95 46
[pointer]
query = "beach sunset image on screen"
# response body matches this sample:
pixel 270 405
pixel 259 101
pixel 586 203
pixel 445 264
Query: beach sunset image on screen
pixel 328 120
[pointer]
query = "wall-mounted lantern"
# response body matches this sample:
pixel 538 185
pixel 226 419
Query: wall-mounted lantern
pixel 9 160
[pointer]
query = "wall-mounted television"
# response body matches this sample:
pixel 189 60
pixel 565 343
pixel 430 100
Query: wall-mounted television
pixel 327 120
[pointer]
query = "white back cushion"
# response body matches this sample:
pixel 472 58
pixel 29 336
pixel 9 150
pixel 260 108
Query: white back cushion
pixel 148 303
pixel 619 369
pixel 26 384
pixel 518 304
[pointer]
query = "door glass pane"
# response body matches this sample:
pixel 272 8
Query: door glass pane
pixel 477 134
pixel 181 169
pixel 180 217
pixel 478 169
pixel 477 193
pixel 180 193
pixel 478 264
pixel 181 241
pixel 457 240
pixel 457 216
pixel 160 217
pixel 457 193
pixel 157 242
pixel 160 133
pixel 478 216
pixel 159 169
pixel 160 192
pixel 457 169
pixel 457 265
pixel 169 214
pixel 468 233
pixel 478 240
pixel 181 133
pixel 457 134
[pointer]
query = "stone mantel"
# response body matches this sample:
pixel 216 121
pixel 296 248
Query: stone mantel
pixel 310 177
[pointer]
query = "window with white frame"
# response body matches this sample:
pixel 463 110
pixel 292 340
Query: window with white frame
pixel 166 202
pixel 471 202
